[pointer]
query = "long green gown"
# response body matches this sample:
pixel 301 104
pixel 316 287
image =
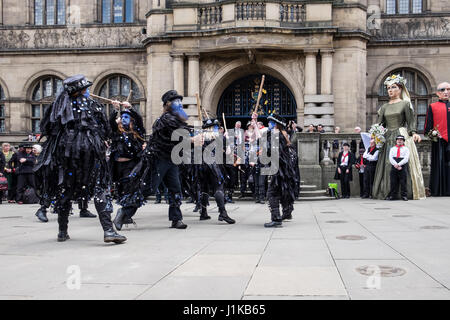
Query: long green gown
pixel 399 119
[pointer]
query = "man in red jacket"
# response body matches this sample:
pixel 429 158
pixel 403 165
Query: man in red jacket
pixel 438 117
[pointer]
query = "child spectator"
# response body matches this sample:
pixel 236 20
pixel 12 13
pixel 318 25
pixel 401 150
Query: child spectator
pixel 399 157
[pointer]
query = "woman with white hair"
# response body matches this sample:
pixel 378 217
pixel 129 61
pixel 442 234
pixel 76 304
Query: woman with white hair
pixel 398 117
pixel 37 149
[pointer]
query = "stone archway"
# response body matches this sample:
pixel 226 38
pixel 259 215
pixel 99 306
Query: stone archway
pixel 236 69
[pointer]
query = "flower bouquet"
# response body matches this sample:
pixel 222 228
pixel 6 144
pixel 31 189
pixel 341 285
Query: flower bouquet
pixel 434 134
pixel 377 132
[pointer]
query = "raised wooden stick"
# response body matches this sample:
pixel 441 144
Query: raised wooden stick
pixel 101 98
pixel 224 122
pixel 260 93
pixel 199 108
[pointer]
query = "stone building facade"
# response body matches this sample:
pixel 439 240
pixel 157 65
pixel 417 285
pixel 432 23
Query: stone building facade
pixel 324 60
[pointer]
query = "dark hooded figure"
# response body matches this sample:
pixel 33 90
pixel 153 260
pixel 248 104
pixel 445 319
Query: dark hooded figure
pixel 73 163
pixel 212 176
pixel 127 149
pixel 282 183
pixel 159 151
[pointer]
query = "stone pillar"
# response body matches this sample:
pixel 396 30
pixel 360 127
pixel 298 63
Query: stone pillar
pixel 193 79
pixel 178 73
pixel 310 72
pixel 327 68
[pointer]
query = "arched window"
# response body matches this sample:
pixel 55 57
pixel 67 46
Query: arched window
pixel 117 87
pixel 117 11
pixel 418 89
pixel 2 110
pixel 49 12
pixel 43 95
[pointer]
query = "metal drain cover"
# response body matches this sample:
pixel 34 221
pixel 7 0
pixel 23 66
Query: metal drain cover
pixel 351 237
pixel 383 271
pixel 433 227
pixel 336 221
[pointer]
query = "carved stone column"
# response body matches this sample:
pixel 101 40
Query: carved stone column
pixel 327 68
pixel 178 73
pixel 310 72
pixel 193 78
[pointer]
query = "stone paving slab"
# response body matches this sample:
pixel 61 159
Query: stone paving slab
pixel 305 259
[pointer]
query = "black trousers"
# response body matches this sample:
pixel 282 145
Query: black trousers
pixel 274 198
pixel 345 182
pixel 217 190
pixel 369 176
pixel 361 183
pixel 399 177
pixel 260 185
pixel 24 180
pixel 162 189
pixel 167 172
pixel 103 205
pixel 232 172
pixel 244 174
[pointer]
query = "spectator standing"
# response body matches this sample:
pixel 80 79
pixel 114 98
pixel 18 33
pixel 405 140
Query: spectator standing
pixel 25 173
pixel 361 165
pixel 345 161
pixel 371 155
pixel 8 171
pixel 399 158
pixel 311 129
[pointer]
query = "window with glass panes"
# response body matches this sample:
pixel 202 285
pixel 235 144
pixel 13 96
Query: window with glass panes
pixel 404 6
pixel 43 95
pixel 117 87
pixel 49 12
pixel 2 110
pixel 418 90
pixel 117 11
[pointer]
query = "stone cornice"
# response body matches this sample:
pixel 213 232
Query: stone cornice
pixel 349 6
pixel 158 11
pixel 168 36
pixel 421 42
pixel 353 34
pixel 5 52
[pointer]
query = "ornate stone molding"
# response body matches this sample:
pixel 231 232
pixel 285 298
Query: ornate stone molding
pixel 71 38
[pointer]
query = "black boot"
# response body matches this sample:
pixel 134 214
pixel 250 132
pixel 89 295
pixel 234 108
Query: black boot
pixel 112 236
pixel 158 201
pixel 118 220
pixel 204 214
pixel 197 207
pixel 85 213
pixel 63 236
pixel 223 216
pixel 273 224
pixel 178 224
pixel 41 214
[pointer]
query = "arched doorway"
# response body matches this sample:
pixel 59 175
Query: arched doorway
pixel 239 99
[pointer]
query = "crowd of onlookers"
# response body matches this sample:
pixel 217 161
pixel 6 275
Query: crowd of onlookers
pixel 16 165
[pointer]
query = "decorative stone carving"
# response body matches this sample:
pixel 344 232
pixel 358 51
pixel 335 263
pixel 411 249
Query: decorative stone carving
pixel 71 38
pixel 412 29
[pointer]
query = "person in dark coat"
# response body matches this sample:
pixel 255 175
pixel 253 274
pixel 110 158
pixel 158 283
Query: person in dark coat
pixel 25 173
pixel 438 117
pixel 361 165
pixel 345 161
pixel 282 183
pixel 2 171
pixel 73 163
pixel 127 151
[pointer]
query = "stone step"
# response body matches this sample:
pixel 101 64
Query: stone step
pixel 308 187
pixel 321 198
pixel 313 193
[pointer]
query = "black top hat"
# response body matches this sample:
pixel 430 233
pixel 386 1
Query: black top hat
pixel 346 144
pixel 170 95
pixel 76 83
pixel 278 119
pixel 210 123
pixel 400 137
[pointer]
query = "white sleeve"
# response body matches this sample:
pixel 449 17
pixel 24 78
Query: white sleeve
pixel 391 156
pixel 405 158
pixel 371 157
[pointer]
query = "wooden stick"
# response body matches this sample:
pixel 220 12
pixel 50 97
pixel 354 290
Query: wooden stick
pixel 224 122
pixel 199 108
pixel 129 96
pixel 101 98
pixel 260 93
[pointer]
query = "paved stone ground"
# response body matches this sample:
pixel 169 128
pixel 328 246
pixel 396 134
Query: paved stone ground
pixel 306 259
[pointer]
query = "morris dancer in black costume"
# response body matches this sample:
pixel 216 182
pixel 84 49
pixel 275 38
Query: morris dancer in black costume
pixel 73 160
pixel 127 149
pixel 282 183
pixel 211 176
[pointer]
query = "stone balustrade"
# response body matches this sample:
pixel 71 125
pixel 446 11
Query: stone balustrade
pixel 317 153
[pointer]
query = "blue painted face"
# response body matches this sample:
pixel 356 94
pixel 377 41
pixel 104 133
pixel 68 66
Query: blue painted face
pixel 272 125
pixel 177 108
pixel 126 119
pixel 216 128
pixel 87 93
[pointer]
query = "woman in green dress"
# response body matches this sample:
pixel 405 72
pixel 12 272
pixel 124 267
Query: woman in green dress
pixel 398 117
